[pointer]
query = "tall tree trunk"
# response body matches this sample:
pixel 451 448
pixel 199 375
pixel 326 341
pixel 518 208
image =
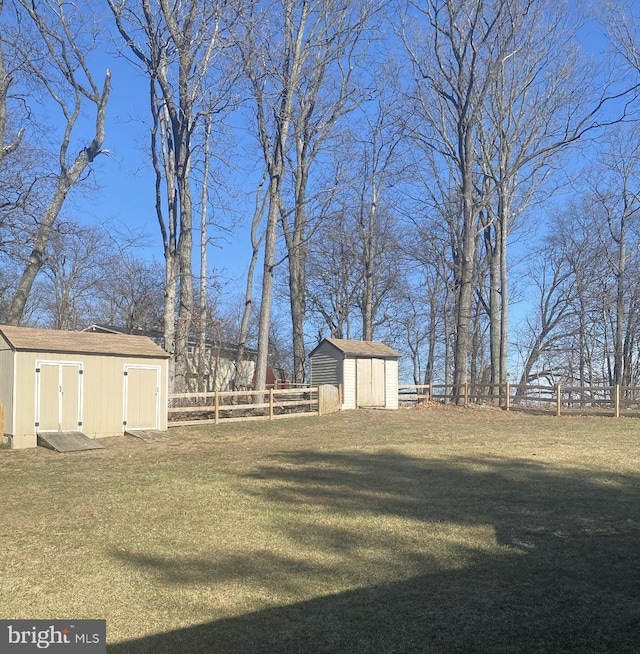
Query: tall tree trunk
pixel 618 367
pixel 367 226
pixel 264 323
pixel 297 298
pixel 467 266
pixel 296 242
pixel 66 179
pixel 204 369
pixel 240 376
pixel 504 303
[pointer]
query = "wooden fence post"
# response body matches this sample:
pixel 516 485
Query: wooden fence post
pixel 558 401
pixel 617 401
pixel 429 393
pixel 507 397
pixel 271 404
pixel 216 408
pixel 466 393
pixel 1 422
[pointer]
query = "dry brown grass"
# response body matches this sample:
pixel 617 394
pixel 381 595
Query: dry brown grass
pixel 432 530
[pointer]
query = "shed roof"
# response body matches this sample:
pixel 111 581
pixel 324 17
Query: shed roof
pixel 361 348
pixel 52 340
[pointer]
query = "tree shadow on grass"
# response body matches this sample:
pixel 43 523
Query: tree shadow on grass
pixel 567 580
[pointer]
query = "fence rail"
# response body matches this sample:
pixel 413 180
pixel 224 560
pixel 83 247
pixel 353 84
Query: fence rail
pixel 561 399
pixel 229 406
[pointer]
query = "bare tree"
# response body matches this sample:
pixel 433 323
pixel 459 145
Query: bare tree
pixel 455 61
pixel 376 163
pixel 76 262
pixel 614 199
pixel 498 91
pixel 299 60
pixel 332 277
pixel 542 100
pixel 272 99
pixel 257 238
pixel 182 50
pixel 6 80
pixel 554 279
pixel 54 44
pixel 327 92
pixel 130 294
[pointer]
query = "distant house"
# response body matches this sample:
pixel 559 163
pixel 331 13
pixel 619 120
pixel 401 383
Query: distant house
pixel 222 370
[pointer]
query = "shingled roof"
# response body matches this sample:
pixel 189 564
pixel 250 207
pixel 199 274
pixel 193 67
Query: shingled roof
pixel 28 339
pixel 363 348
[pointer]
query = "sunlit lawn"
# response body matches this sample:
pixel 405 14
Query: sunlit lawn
pixel 435 530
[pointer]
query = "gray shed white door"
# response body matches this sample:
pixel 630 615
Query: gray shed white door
pixel 141 397
pixel 370 382
pixel 58 396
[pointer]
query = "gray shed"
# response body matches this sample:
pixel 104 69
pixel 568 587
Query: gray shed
pixel 367 371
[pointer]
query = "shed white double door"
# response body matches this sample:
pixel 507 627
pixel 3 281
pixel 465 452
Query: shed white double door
pixel 370 382
pixel 58 396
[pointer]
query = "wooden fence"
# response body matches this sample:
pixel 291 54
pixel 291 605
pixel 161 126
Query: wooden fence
pixel 612 400
pixel 271 404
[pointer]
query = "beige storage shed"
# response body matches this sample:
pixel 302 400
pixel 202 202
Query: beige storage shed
pixel 95 384
pixel 367 371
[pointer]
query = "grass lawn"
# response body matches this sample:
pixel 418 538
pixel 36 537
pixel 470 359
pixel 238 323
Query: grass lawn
pixel 425 530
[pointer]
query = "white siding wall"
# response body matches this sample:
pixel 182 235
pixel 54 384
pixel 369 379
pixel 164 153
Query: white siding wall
pixel 349 384
pixel 224 371
pixel 391 383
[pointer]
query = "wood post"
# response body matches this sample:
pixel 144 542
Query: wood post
pixel 429 393
pixel 328 399
pixel 466 393
pixel 1 422
pixel 271 404
pixel 216 408
pixel 558 401
pixel 617 401
pixel 507 396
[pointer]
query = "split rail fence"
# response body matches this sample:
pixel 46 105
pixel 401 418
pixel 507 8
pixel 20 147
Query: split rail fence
pixel 271 404
pixel 610 400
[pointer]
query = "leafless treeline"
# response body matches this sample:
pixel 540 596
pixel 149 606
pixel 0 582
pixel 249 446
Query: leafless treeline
pixel 415 168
